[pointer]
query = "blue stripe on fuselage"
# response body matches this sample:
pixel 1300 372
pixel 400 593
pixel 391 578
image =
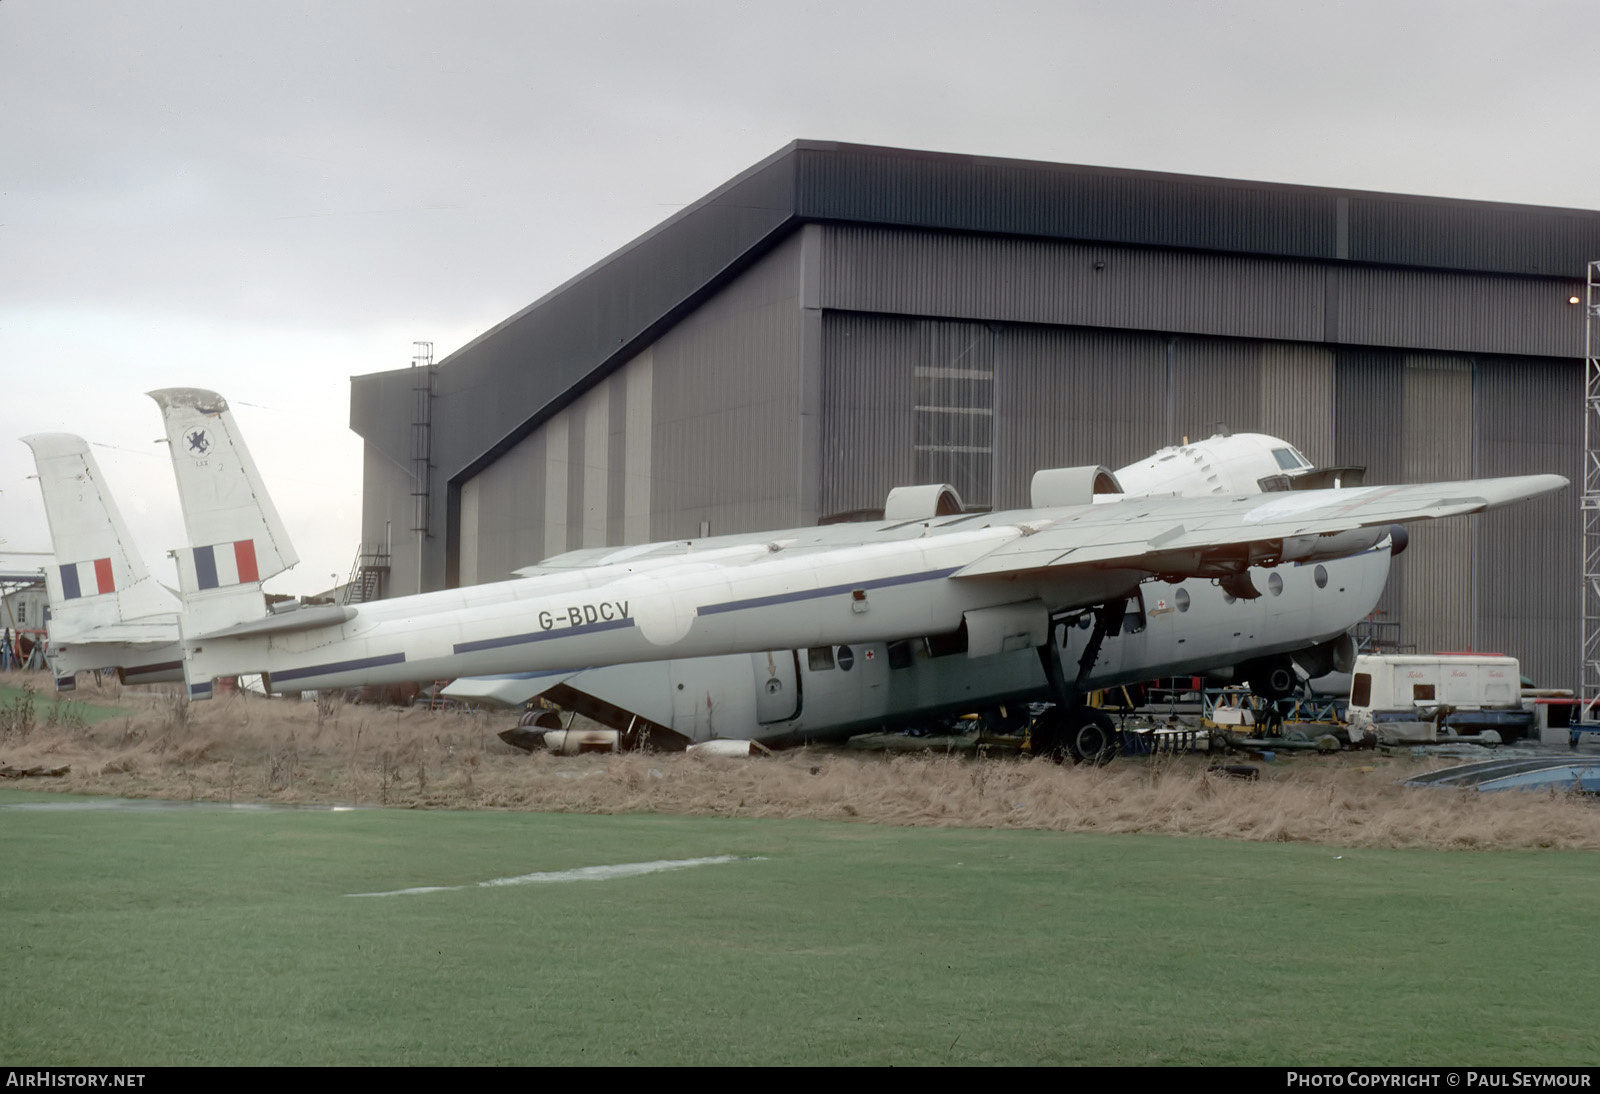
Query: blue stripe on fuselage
pixel 831 590
pixel 337 666
pixel 539 636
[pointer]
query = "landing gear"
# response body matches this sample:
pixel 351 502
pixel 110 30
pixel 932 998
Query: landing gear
pixel 1070 729
pixel 1272 678
pixel 1082 734
pixel 1095 741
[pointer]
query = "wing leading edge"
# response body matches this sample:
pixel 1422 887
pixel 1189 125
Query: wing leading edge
pixel 1207 536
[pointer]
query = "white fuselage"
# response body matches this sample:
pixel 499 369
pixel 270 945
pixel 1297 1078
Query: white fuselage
pixel 835 585
pixel 789 696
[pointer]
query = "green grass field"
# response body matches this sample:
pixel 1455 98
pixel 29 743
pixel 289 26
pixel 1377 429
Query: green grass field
pixel 176 935
pixel 45 707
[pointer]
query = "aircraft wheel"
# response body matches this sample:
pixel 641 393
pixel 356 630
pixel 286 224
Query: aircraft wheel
pixel 1273 679
pixel 1093 738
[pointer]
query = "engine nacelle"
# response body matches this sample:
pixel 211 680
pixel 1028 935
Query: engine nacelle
pixel 728 746
pixel 570 742
pixel 1328 548
pixel 938 499
pixel 1061 486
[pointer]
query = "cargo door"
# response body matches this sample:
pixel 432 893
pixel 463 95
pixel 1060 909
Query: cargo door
pixel 777 685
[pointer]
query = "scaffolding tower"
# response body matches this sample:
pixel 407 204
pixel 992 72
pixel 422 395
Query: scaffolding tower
pixel 424 372
pixel 1589 674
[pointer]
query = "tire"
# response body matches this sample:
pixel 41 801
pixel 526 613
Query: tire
pixel 1092 737
pixel 1274 679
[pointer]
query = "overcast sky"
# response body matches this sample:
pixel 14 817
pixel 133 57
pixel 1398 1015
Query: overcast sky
pixel 267 198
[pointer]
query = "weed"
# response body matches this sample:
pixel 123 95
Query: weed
pixel 17 718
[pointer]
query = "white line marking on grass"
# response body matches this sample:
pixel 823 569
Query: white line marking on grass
pixel 582 873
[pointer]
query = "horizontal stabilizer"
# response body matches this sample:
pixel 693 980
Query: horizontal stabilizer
pixel 513 691
pixel 301 619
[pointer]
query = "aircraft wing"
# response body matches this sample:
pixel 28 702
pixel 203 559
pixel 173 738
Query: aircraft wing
pixel 1204 536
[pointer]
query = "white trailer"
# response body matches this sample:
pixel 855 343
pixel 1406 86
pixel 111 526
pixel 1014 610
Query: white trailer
pixel 1426 697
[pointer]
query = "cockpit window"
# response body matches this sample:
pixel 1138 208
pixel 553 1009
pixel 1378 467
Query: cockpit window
pixel 1289 459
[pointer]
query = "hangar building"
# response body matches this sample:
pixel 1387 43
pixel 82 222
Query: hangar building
pixel 841 319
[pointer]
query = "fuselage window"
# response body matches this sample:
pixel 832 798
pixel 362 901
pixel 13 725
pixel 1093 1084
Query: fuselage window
pixel 1289 459
pixel 1321 576
pixel 819 657
pixel 1275 583
pixel 1180 597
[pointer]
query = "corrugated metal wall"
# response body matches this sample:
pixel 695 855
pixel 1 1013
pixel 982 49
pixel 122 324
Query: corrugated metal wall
pixel 1297 398
pixel 1017 197
pixel 1529 421
pixel 1055 397
pixel 1389 228
pixel 869 400
pixel 1094 285
pixel 1476 313
pixel 386 489
pixel 1369 406
pixel 1436 446
pixel 974 194
pixel 581 480
pixel 1066 398
pixel 727 393
pixel 1103 285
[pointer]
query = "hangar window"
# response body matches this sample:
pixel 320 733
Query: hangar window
pixel 819 658
pixel 953 420
pixel 22 612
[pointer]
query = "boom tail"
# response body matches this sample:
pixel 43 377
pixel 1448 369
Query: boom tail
pixel 105 609
pixel 236 538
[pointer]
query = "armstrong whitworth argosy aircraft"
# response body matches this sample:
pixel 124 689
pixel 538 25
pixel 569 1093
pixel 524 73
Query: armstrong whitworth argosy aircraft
pixel 784 697
pixel 1002 578
pixel 105 608
pixel 777 697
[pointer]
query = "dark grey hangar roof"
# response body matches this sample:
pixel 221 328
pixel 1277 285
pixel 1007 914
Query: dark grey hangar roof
pixel 496 389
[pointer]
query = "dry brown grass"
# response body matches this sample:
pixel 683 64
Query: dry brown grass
pixel 246 748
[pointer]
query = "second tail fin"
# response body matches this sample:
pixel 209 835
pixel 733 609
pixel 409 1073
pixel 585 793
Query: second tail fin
pixel 236 538
pixel 105 608
pixel 98 582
